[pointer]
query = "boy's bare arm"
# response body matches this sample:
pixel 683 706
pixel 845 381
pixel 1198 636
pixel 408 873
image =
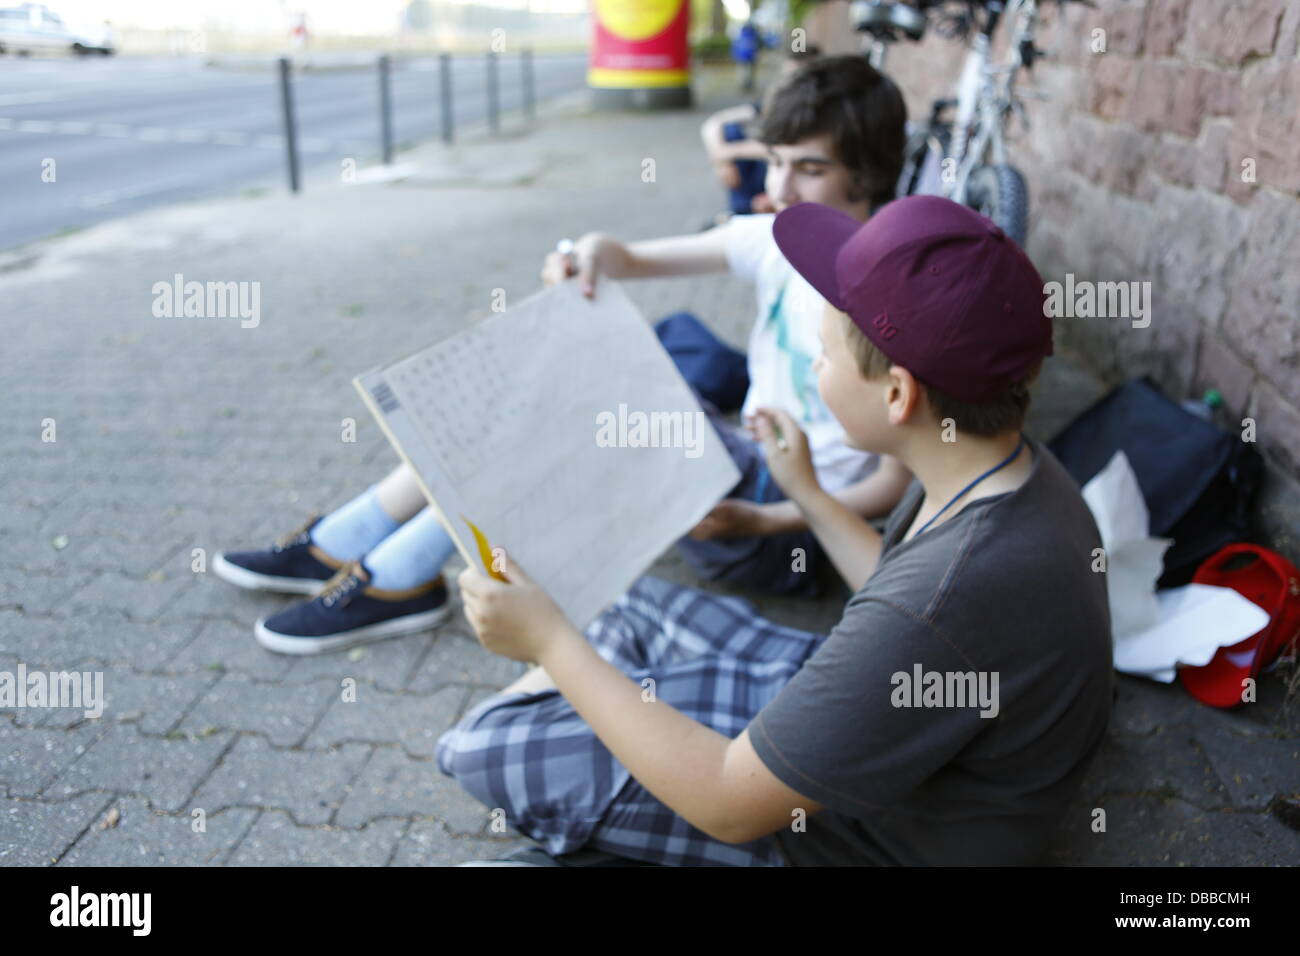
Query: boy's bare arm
pixel 853 545
pixel 711 131
pixel 738 149
pixel 720 150
pixel 872 497
pixel 717 784
pixel 599 254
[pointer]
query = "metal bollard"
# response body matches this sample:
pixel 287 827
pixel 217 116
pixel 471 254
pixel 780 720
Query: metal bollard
pixel 385 111
pixel 530 94
pixel 290 129
pixel 444 94
pixel 493 100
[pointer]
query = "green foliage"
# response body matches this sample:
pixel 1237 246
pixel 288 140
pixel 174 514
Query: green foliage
pixel 798 10
pixel 712 47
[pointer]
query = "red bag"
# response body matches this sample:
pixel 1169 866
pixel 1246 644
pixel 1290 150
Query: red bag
pixel 1268 580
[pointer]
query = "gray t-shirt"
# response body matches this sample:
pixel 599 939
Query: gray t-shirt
pixel 1004 591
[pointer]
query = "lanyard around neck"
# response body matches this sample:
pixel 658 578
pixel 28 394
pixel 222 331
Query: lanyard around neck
pixel 953 500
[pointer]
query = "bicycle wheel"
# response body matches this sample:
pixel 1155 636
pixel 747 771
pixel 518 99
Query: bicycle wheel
pixel 1000 193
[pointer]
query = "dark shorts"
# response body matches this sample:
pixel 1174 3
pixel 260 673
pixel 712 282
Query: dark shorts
pixel 776 564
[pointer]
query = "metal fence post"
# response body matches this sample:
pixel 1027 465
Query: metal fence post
pixel 444 94
pixel 493 100
pixel 530 94
pixel 385 111
pixel 290 129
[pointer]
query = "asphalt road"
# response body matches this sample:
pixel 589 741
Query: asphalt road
pixel 128 133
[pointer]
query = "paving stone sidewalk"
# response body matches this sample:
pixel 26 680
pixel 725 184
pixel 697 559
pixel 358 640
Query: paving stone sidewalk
pixel 180 434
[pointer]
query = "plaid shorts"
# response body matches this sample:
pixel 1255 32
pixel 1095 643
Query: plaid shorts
pixel 532 756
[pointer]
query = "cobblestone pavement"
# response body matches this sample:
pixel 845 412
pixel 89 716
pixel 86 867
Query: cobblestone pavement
pixel 177 434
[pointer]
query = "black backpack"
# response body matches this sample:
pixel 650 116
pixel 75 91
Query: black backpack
pixel 1198 480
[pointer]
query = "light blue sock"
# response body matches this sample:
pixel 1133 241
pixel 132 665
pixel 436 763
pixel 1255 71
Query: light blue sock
pixel 412 555
pixel 347 533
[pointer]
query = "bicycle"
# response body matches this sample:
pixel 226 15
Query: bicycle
pixel 961 152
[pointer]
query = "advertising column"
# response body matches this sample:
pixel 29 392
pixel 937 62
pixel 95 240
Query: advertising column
pixel 639 53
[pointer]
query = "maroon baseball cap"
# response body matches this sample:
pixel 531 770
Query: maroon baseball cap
pixel 938 288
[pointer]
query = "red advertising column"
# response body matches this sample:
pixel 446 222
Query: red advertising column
pixel 640 54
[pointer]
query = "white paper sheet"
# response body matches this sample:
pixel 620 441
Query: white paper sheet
pixel 1194 621
pixel 1134 561
pixel 501 423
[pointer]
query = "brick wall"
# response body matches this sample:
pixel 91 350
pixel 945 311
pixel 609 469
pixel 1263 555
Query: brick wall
pixel 1135 171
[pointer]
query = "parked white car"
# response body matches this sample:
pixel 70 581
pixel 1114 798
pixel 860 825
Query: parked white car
pixel 35 28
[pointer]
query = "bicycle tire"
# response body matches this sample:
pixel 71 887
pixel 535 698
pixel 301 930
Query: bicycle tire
pixel 1000 192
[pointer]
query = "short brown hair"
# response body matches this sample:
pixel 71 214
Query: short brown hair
pixel 1004 413
pixel 858 106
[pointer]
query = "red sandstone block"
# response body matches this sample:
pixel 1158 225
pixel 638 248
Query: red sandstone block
pixel 1222 369
pixel 1166 24
pixel 1175 159
pixel 1126 157
pixel 1196 236
pixel 1125 25
pixel 1151 102
pixel 1288 32
pixel 1199 93
pixel 1113 78
pixel 1264 289
pixel 1270 98
pixel 1277 426
pixel 1232 33
pixel 1240 148
pixel 1210 156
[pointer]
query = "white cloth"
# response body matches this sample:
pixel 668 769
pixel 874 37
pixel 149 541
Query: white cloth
pixel 783 345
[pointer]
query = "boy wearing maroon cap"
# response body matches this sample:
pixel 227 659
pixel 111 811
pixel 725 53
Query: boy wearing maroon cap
pixel 950 715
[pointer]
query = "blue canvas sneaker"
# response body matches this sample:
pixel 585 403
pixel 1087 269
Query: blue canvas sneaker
pixel 293 565
pixel 348 611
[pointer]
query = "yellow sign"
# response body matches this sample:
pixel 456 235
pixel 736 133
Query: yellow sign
pixel 636 19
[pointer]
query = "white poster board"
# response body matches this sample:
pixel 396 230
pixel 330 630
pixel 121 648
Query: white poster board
pixel 561 432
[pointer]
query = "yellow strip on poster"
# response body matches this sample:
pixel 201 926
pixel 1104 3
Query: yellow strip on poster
pixel 636 79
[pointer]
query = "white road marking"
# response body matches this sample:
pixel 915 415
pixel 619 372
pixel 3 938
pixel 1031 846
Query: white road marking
pixel 110 196
pixel 227 138
pixel 117 130
pixel 35 126
pixel 153 134
pixel 74 127
pixel 266 141
pixel 191 135
pixel 35 96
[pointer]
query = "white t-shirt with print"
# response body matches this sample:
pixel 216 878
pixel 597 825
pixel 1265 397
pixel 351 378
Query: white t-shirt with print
pixel 783 345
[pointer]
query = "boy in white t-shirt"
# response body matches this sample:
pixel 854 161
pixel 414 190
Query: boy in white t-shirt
pixel 835 134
